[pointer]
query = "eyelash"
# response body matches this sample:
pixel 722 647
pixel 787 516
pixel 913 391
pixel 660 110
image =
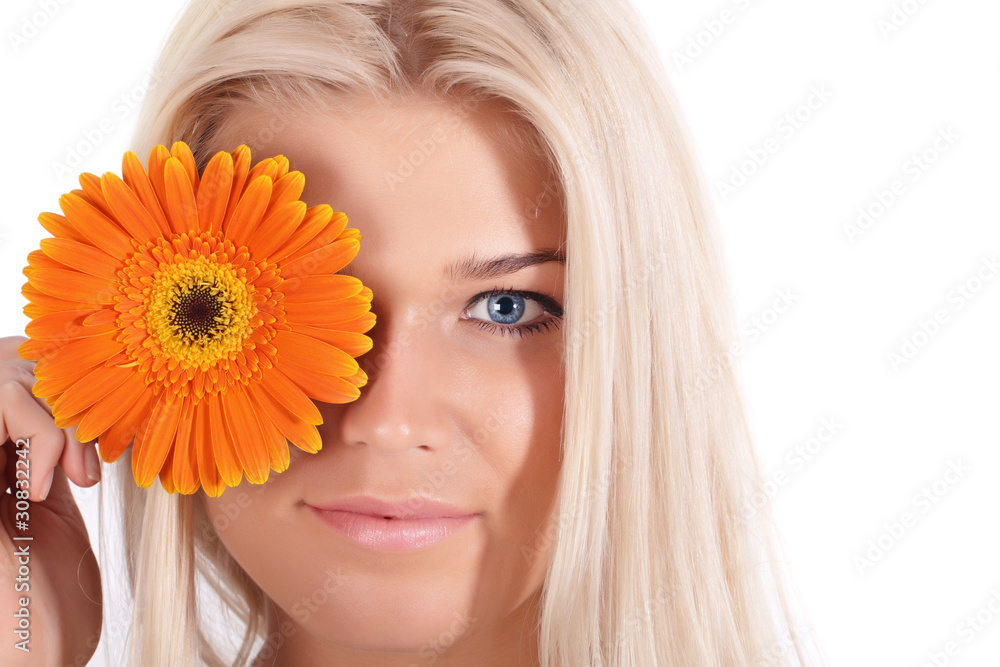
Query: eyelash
pixel 547 303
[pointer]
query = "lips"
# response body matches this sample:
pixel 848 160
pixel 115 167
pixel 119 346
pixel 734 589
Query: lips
pixel 393 526
pixel 415 508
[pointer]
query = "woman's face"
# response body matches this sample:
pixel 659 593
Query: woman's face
pixel 463 405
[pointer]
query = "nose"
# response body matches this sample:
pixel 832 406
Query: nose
pixel 400 407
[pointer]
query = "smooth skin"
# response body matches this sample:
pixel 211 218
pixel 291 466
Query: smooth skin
pixel 459 408
pixel 452 411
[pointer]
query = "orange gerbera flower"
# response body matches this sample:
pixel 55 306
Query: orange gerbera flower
pixel 197 314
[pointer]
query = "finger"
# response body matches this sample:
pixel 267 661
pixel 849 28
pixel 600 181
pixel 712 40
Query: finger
pixel 23 371
pixel 23 419
pixel 9 345
pixel 74 460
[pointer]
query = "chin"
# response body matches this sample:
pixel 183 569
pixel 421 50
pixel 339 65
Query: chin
pixel 382 618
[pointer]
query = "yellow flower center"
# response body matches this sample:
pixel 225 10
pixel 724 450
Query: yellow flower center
pixel 196 313
pixel 199 311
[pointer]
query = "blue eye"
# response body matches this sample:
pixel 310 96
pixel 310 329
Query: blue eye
pixel 510 312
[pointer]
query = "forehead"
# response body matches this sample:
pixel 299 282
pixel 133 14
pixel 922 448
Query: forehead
pixel 419 177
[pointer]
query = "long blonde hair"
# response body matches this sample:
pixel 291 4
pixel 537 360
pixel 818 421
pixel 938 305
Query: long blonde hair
pixel 654 560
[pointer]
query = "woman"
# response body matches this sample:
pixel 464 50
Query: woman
pixel 561 426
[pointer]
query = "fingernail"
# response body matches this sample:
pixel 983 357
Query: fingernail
pixel 92 464
pixel 47 484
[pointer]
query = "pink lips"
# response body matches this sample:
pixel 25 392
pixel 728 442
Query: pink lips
pixel 395 527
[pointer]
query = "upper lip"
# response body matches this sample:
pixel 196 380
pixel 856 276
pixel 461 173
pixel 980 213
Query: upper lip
pixel 414 508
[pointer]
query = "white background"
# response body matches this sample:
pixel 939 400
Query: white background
pixel 857 294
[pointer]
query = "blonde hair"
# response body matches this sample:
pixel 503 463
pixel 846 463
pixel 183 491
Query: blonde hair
pixel 654 560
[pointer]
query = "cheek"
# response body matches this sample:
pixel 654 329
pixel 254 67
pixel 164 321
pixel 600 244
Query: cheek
pixel 517 440
pixel 255 527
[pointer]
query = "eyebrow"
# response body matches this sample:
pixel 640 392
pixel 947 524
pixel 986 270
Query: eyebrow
pixel 472 269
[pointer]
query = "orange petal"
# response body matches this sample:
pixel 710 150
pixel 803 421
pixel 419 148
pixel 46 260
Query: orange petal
pixel 320 288
pixel 53 303
pixel 78 355
pixel 91 184
pixel 249 211
pixel 213 193
pixel 304 436
pixel 74 286
pixel 128 209
pixel 185 459
pixel 313 354
pixel 112 407
pixel 181 205
pixel 326 388
pixel 359 379
pixel 52 388
pixel 241 420
pixel 358 325
pixel 241 167
pixel 88 390
pixel 33 310
pixel 101 317
pixel 324 260
pixel 33 350
pixel 266 167
pixel 354 344
pixel 330 314
pixel 276 228
pixel 153 443
pixel 119 435
pixel 335 231
pixel 82 257
pixel 274 442
pixel 65 325
pixel 201 434
pixel 136 178
pixel 222 445
pixel 98 229
pixel 37 259
pixel 287 189
pixel 288 394
pixel 282 162
pixel 166 473
pixel 317 219
pixel 60 227
pixel 158 157
pixel 182 152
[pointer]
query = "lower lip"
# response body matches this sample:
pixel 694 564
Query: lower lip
pixel 395 535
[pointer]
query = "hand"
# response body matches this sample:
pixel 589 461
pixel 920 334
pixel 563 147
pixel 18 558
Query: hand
pixel 55 572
